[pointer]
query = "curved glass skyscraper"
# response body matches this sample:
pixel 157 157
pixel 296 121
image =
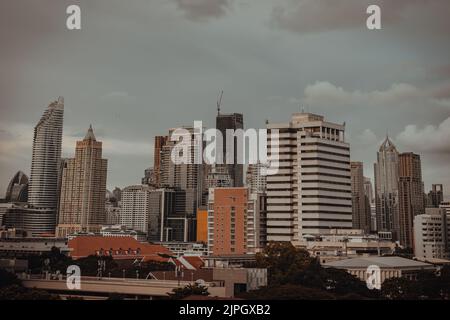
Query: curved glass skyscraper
pixel 43 188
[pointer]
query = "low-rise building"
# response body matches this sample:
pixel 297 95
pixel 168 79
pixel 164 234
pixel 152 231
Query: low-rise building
pixel 122 231
pixel 20 247
pixel 341 244
pixel 390 267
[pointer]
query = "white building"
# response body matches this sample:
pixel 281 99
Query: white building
pixel 431 231
pixel 135 209
pixel 311 192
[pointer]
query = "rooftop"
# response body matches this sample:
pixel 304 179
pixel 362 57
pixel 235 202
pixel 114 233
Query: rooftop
pixel 382 262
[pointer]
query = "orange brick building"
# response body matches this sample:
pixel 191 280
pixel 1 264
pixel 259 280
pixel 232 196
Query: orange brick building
pixel 202 226
pixel 227 214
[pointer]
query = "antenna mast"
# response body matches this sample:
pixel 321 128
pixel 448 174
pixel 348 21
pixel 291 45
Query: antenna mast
pixel 219 102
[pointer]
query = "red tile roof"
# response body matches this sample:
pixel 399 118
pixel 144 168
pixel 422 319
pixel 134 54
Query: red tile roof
pixel 195 261
pixel 117 247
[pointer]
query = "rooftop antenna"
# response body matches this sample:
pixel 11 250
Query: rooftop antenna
pixel 219 102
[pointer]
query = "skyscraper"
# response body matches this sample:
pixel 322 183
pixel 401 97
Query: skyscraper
pixel 311 192
pixel 189 177
pixel 83 189
pixel 47 140
pixel 435 196
pixel 410 196
pixel 386 188
pixel 361 216
pixel 17 190
pixel 160 142
pixel 231 121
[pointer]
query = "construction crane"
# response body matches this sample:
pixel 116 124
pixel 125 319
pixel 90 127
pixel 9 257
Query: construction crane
pixel 219 102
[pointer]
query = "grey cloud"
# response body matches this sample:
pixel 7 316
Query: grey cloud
pixel 306 16
pixel 429 139
pixel 203 9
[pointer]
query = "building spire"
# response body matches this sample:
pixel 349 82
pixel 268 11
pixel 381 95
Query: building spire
pixel 90 134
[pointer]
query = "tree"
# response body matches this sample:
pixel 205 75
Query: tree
pixel 287 292
pixel 189 290
pixel 284 262
pixel 16 292
pixel 398 289
pixel 8 279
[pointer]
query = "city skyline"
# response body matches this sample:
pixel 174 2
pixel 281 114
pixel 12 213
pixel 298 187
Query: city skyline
pixel 110 186
pixel 164 59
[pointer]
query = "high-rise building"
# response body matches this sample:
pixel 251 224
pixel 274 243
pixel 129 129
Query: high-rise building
pixel 311 192
pixel 17 190
pixel 189 177
pixel 361 214
pixel 83 189
pixel 236 221
pixel 202 225
pixel 167 218
pixel 410 196
pixel 135 209
pixel 231 121
pixel 160 142
pixel 227 221
pixel 431 234
pixel 47 140
pixel 218 177
pixel 256 177
pixel 368 190
pixel 117 192
pixel 386 188
pixel 435 196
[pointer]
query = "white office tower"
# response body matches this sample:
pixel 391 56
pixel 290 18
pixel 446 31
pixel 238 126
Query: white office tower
pixel 311 192
pixel 135 209
pixel 431 234
pixel 43 189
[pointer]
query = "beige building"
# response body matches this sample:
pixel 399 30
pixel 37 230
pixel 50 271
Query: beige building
pixel 83 188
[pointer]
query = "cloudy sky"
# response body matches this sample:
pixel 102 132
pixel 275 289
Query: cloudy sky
pixel 139 67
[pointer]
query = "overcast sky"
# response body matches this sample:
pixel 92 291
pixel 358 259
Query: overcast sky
pixel 140 67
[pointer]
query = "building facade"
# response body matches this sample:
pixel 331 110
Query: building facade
pixel 236 221
pixel 431 234
pixel 83 189
pixel 411 199
pixel 47 140
pixel 135 207
pixel 361 214
pixel 435 196
pixel 17 190
pixel 311 191
pixel 231 121
pixel 386 188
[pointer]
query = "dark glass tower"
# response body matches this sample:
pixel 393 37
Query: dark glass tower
pixel 231 121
